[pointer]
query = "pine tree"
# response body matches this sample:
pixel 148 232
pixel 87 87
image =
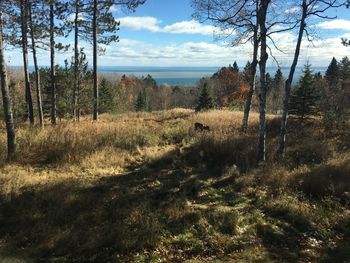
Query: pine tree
pixel 344 68
pixel 275 94
pixel 140 104
pixel 304 98
pixel 269 82
pixel 333 73
pixel 205 101
pixel 235 67
pixel 107 103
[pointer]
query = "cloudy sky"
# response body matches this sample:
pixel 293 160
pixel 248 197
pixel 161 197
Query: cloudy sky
pixel 163 33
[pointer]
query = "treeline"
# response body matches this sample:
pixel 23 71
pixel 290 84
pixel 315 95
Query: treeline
pixel 30 25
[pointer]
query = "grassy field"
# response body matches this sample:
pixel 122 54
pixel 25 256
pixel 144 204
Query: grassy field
pixel 149 188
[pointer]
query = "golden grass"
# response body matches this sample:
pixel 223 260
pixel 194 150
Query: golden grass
pixel 147 187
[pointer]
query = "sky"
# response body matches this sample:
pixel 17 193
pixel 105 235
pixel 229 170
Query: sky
pixel 162 33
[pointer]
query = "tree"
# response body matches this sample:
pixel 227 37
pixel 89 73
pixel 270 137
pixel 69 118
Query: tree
pixel 140 104
pixel 241 18
pixel 304 99
pixel 11 137
pixel 103 27
pixel 107 103
pixel 36 29
pixel 78 9
pixel 235 67
pixel 332 74
pixel 274 96
pixel 52 63
pixel 262 19
pixel 224 84
pixel 205 101
pixel 308 9
pixel 24 32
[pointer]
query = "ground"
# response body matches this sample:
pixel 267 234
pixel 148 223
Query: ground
pixel 147 187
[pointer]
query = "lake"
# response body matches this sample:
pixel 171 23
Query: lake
pixel 187 76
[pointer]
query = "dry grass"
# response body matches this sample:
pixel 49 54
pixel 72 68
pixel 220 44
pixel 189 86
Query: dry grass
pixel 147 187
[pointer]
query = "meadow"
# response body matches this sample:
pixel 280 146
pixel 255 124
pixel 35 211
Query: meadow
pixel 148 187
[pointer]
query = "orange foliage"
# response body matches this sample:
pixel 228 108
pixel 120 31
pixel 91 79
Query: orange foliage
pixel 229 86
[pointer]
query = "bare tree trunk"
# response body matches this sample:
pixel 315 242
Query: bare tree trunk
pixel 263 85
pixel 76 62
pixel 289 81
pixel 11 137
pixel 95 85
pixel 252 73
pixel 24 30
pixel 37 73
pixel 52 58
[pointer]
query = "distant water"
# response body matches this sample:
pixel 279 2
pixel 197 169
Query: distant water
pixel 187 76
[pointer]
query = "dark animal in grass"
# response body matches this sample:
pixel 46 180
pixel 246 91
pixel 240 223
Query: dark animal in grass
pixel 201 127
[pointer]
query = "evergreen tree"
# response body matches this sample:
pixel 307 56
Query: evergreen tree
pixel 235 67
pixel 107 103
pixel 205 101
pixel 269 82
pixel 140 104
pixel 150 81
pixel 333 73
pixel 247 71
pixel 344 68
pixel 275 94
pixel 304 98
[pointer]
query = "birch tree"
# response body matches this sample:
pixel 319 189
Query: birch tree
pixel 309 9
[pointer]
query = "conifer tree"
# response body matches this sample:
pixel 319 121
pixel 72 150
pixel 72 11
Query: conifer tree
pixel 24 42
pixel 235 67
pixel 104 27
pixel 106 95
pixel 274 96
pixel 303 101
pixel 140 104
pixel 333 73
pixel 206 101
pixel 36 30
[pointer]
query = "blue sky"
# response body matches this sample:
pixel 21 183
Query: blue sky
pixel 163 33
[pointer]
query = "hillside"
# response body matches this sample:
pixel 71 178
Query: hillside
pixel 147 187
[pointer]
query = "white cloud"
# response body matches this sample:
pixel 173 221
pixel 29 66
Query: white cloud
pixel 153 24
pixel 340 24
pixel 139 23
pixel 130 42
pixel 189 27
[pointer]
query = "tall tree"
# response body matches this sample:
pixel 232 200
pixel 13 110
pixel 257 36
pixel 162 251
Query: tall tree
pixel 263 9
pixel 11 137
pixel 309 9
pixel 33 32
pixel 52 63
pixel 24 32
pixel 104 27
